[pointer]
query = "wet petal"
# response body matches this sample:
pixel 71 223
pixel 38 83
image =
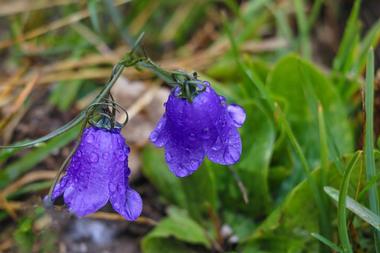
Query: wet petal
pixel 237 114
pixel 159 135
pixel 127 203
pixel 182 158
pixel 85 185
pixel 227 148
pixel 124 200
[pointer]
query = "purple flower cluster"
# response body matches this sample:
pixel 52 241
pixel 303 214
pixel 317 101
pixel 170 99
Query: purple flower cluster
pixel 189 131
pixel 206 126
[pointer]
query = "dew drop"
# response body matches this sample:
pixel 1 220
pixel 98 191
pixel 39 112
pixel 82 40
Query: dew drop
pixel 90 138
pixel 105 155
pixel 94 157
pixel 120 155
pixel 222 100
pixel 112 187
pixel 206 133
pixel 182 173
pixel 169 157
pixel 192 137
pixel 154 136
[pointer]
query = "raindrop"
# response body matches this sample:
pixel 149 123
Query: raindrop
pixel 90 138
pixel 192 137
pixel 105 155
pixel 154 136
pixel 169 157
pixel 94 157
pixel 120 155
pixel 206 133
pixel 112 187
pixel 182 172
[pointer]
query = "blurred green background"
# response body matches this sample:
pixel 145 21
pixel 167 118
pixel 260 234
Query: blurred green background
pixel 296 66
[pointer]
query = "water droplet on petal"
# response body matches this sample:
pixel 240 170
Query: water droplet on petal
pixel 206 133
pixel 169 157
pixel 192 137
pixel 154 136
pixel 222 100
pixel 105 155
pixel 120 155
pixel 90 138
pixel 94 157
pixel 112 187
pixel 181 172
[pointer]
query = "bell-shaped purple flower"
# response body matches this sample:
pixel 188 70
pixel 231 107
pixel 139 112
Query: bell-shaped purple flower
pixel 206 126
pixel 98 172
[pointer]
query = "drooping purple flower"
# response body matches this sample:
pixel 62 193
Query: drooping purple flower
pixel 206 126
pixel 98 172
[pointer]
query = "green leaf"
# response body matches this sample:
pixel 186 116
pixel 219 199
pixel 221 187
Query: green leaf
pixel 93 10
pixel 369 140
pixel 292 80
pixel 177 225
pixel 342 216
pixel 289 225
pixel 155 169
pixel 355 207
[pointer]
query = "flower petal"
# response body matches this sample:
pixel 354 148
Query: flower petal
pixel 159 136
pixel 237 114
pixel 126 201
pixel 183 158
pixel 85 185
pixel 227 148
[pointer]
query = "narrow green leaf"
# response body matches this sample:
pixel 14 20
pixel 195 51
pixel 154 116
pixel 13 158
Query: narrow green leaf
pixel 361 211
pixel 345 53
pixel 92 6
pixel 342 215
pixel 326 241
pixel 303 28
pixel 369 141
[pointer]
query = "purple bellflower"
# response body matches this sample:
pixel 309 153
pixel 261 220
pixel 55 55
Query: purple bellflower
pixel 98 172
pixel 191 130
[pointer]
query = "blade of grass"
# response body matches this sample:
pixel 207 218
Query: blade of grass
pixel 372 38
pixel 315 10
pixel 347 45
pixel 92 6
pixel 342 212
pixel 303 28
pixel 361 211
pixel 369 140
pixel 326 242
